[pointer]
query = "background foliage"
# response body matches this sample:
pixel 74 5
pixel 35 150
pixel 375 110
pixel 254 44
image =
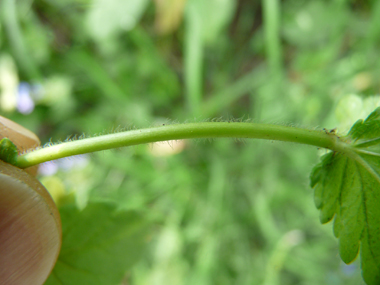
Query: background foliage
pixel 224 211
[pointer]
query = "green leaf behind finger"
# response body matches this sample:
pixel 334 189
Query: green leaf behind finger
pixel 99 244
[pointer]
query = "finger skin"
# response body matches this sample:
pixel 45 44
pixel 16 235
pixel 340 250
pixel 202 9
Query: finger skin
pixel 30 228
pixel 21 137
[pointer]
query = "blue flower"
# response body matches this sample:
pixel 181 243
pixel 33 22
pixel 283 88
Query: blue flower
pixel 25 104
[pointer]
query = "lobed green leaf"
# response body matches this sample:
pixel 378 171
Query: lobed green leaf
pixel 347 186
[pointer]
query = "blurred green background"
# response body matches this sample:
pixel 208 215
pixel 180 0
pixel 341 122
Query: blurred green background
pixel 225 211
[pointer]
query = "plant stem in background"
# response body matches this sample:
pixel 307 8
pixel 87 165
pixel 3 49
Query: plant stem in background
pixel 9 15
pixel 271 13
pixel 183 131
pixel 193 51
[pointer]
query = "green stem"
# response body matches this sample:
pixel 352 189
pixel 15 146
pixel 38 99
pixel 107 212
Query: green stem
pixel 182 131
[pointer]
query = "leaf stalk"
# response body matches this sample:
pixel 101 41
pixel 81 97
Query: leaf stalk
pixel 318 138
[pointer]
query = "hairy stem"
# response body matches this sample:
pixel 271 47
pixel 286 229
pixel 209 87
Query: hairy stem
pixel 182 131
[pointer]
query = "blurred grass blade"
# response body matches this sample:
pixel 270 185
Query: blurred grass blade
pixel 97 73
pixel 203 26
pixel 234 91
pixel 193 58
pixel 271 13
pixel 8 13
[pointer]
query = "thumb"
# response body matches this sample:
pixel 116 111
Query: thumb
pixel 30 227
